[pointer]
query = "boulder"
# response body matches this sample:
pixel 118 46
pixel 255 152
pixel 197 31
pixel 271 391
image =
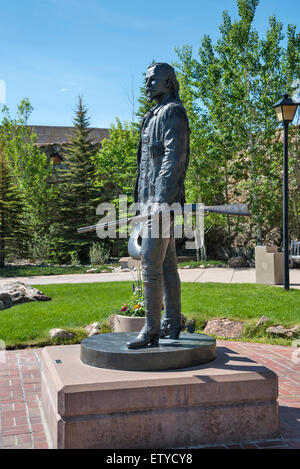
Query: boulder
pixel 280 331
pixel 93 328
pixel 13 293
pixel 224 328
pixel 5 298
pixel 237 262
pixel 57 333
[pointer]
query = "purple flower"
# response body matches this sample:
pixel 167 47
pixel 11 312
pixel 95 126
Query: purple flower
pixel 124 309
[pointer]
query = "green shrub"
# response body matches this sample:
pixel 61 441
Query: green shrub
pixel 74 258
pixel 41 246
pixel 99 254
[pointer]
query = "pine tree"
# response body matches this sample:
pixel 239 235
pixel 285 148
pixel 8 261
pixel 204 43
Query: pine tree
pixel 78 196
pixel 12 207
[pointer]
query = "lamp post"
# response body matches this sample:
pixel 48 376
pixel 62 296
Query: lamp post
pixel 285 110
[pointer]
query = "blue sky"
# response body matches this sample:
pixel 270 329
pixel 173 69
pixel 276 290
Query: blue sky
pixel 52 50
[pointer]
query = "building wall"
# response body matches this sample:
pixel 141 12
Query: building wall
pixel 59 135
pixel 52 140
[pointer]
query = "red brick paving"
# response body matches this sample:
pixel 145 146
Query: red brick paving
pixel 22 424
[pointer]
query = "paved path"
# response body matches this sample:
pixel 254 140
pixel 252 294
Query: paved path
pixel 22 423
pixel 222 275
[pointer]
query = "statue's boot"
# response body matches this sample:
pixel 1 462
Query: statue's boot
pixel 171 321
pixel 149 334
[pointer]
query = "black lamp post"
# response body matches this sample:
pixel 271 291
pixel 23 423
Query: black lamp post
pixel 285 110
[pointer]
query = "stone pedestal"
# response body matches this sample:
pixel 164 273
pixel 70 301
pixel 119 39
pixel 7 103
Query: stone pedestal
pixel 268 265
pixel 230 399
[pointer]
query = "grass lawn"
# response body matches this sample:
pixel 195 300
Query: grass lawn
pixel 75 305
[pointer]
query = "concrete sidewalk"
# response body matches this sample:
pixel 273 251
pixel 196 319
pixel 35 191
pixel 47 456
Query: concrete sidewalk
pixel 219 274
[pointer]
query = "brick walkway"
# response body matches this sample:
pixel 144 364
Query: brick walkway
pixel 22 422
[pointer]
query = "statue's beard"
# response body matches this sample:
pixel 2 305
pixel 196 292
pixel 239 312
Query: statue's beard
pixel 149 97
pixel 153 95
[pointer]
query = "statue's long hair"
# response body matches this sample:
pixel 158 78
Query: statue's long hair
pixel 170 73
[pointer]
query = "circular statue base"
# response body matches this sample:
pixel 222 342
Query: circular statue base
pixel 110 351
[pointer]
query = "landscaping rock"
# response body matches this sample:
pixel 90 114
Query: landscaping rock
pixel 5 300
pixel 262 320
pixel 186 267
pixel 280 331
pixel 91 271
pixel 13 293
pixel 57 333
pixel 224 328
pixel 93 329
pixel 237 262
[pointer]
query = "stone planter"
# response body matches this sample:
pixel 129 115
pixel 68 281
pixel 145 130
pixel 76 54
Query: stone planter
pixel 128 323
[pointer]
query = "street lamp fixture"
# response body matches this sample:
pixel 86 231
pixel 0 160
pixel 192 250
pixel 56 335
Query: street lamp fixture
pixel 285 110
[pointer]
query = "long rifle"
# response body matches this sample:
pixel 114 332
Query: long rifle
pixel 229 209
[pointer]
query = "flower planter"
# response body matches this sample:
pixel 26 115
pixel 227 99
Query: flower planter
pixel 128 323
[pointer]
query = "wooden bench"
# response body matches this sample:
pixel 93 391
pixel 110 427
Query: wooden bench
pixel 294 252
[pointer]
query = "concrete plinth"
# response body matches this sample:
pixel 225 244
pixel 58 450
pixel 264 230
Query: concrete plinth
pixel 231 399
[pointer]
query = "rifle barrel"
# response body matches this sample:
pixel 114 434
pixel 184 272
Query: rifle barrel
pixel 227 209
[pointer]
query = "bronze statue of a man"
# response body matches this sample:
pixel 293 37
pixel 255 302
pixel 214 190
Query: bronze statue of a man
pixel 162 157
